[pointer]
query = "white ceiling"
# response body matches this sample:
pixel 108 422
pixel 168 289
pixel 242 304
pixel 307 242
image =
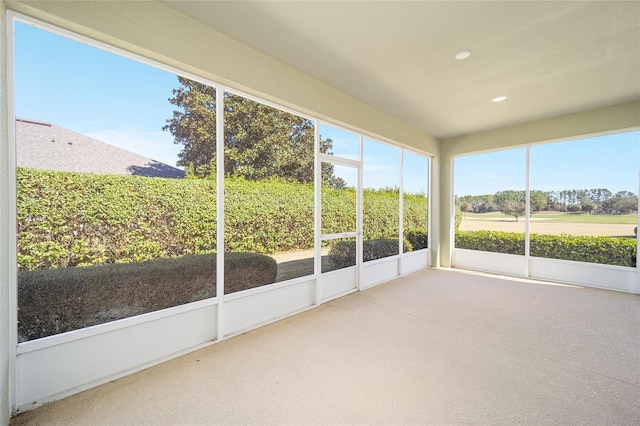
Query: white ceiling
pixel 548 58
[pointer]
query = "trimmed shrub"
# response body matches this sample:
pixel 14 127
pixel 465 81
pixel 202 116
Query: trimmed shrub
pixel 493 241
pixel 54 301
pixel 603 250
pixel 382 247
pixel 418 238
pixel 606 250
pixel 343 253
pixel 243 271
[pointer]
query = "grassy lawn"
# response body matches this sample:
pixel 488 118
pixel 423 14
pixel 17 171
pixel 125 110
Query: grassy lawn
pixel 622 219
pixel 562 217
pixel 485 216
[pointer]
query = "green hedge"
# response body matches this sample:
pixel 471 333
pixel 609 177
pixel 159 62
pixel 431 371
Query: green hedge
pixel 53 301
pixel 604 250
pixel 80 219
pixel 267 216
pixel 343 252
pixel 417 238
pixel 493 241
pixel 381 214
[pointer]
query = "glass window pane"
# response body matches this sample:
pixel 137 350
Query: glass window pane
pixel 338 207
pixel 584 199
pixel 415 200
pixel 108 227
pixel 490 201
pixel 381 200
pixel 269 157
pixel 338 142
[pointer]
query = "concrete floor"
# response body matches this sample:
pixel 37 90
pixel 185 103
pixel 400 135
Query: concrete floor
pixel 435 347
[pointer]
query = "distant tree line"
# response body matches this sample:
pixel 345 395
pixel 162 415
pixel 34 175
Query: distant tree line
pixel 589 201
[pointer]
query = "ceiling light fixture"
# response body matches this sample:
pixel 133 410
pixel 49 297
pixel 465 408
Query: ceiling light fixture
pixel 463 54
pixel 498 99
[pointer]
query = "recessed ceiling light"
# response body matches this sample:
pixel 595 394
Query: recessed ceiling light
pixel 499 99
pixel 463 54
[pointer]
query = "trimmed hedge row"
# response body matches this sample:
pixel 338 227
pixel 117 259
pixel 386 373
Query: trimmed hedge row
pixel 343 253
pixel 603 250
pixel 381 214
pixel 267 216
pixel 80 219
pixel 493 241
pixel 53 301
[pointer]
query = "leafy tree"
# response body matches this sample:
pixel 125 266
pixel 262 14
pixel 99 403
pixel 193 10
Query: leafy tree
pixel 511 203
pixel 502 197
pixel 478 203
pixel 552 199
pixel 588 206
pixel 623 202
pixel 259 141
pixel 464 208
pixel 513 208
pixel 539 200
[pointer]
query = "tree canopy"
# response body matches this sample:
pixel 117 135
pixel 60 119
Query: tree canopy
pixel 597 200
pixel 260 142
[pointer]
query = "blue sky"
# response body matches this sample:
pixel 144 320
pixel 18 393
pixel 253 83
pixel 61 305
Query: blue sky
pixel 93 92
pixel 609 162
pixel 125 103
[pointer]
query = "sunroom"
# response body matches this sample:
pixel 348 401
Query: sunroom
pixel 314 150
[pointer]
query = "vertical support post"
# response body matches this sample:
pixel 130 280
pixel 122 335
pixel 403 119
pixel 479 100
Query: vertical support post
pixel 434 201
pixel 638 228
pixel 447 210
pixel 359 216
pixel 220 211
pixel 317 217
pixel 527 217
pixel 401 210
pixel 8 226
pixel 429 210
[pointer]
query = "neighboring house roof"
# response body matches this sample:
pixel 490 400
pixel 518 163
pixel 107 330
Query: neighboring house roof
pixel 46 146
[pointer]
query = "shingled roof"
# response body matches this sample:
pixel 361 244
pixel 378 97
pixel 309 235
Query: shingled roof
pixel 46 146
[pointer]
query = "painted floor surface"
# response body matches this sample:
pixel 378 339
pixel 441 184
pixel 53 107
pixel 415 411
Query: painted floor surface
pixel 435 347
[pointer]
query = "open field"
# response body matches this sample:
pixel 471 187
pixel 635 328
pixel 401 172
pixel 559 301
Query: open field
pixel 554 223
